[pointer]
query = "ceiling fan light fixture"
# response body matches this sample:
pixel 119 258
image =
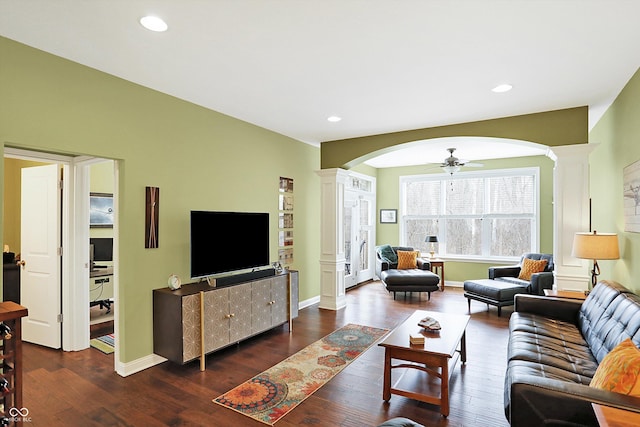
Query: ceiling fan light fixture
pixel 334 119
pixel 153 23
pixel 451 169
pixel 505 87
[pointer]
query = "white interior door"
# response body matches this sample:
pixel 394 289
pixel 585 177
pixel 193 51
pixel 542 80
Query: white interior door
pixel 350 243
pixel 366 245
pixel 40 278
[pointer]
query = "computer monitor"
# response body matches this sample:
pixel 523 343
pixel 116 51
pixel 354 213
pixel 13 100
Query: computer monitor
pixel 102 248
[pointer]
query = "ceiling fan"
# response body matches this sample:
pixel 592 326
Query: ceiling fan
pixel 453 164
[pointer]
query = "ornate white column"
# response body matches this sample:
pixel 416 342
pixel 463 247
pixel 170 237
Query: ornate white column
pixel 332 258
pixel 570 213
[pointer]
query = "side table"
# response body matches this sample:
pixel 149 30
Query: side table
pixel 437 266
pixel 611 417
pixel 565 294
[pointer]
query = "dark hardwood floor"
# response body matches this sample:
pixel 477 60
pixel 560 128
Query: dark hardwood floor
pixel 81 389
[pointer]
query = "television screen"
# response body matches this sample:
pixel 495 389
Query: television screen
pixel 222 242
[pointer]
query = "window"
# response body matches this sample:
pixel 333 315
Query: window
pixel 485 215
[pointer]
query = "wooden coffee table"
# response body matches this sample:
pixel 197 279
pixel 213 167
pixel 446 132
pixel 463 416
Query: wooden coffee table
pixel 437 356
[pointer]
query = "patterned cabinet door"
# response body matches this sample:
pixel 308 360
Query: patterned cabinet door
pixel 190 327
pixel 260 307
pixel 240 308
pixel 216 310
pixel 280 295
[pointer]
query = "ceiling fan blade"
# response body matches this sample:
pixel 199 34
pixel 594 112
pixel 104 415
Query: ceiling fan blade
pixel 432 166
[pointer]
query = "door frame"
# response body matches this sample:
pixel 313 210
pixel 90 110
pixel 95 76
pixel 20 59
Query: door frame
pixel 75 244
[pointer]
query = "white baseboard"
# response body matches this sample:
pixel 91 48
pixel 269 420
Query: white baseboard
pixel 308 302
pixel 451 284
pixel 129 368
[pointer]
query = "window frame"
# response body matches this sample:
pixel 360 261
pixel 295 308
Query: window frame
pixel 443 179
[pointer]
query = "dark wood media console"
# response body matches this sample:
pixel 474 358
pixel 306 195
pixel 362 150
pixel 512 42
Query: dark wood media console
pixel 198 319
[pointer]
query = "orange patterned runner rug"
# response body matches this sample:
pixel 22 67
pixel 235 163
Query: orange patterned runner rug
pixel 269 396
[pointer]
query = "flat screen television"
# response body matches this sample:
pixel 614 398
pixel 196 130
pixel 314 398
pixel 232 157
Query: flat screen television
pixel 223 242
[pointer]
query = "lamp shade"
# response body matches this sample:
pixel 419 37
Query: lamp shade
pixel 596 246
pixel 431 239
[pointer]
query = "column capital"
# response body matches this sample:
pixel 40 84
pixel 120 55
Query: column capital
pixel 570 152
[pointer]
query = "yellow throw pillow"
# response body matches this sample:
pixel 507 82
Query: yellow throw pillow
pixel 619 370
pixel 407 259
pixel 530 266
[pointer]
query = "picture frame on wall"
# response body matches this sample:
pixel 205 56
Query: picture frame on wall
pixel 101 210
pixel 631 182
pixel 286 185
pixel 388 216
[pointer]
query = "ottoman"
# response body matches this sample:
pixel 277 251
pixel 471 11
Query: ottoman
pixel 494 292
pixel 400 422
pixel 411 280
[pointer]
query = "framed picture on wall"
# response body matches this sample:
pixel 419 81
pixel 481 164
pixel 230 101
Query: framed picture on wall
pixel 101 210
pixel 388 216
pixel 631 181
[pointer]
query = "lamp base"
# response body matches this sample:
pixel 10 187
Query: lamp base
pixel 594 274
pixel 432 254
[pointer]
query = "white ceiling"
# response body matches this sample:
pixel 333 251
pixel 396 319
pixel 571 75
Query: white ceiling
pixel 381 65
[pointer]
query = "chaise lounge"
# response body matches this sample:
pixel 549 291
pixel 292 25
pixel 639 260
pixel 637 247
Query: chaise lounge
pixel 400 275
pixel 532 275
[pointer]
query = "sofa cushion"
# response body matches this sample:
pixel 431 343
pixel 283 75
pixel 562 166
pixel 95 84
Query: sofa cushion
pixel 619 370
pixel 530 266
pixel 608 316
pixel 496 290
pixel 387 254
pixel 407 260
pixel 515 281
pixel 521 368
pixel 574 359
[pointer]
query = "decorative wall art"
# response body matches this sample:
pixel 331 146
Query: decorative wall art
pixel 285 202
pixel 101 210
pixel 286 185
pixel 388 216
pixel 631 182
pixel 285 256
pixel 285 221
pixel 152 209
pixel 285 238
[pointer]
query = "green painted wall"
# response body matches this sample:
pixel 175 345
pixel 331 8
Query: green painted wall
pixel 551 128
pixel 200 159
pixel 388 190
pixel 617 135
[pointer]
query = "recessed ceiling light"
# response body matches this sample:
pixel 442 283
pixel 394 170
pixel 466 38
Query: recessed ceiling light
pixel 506 87
pixel 334 119
pixel 153 23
